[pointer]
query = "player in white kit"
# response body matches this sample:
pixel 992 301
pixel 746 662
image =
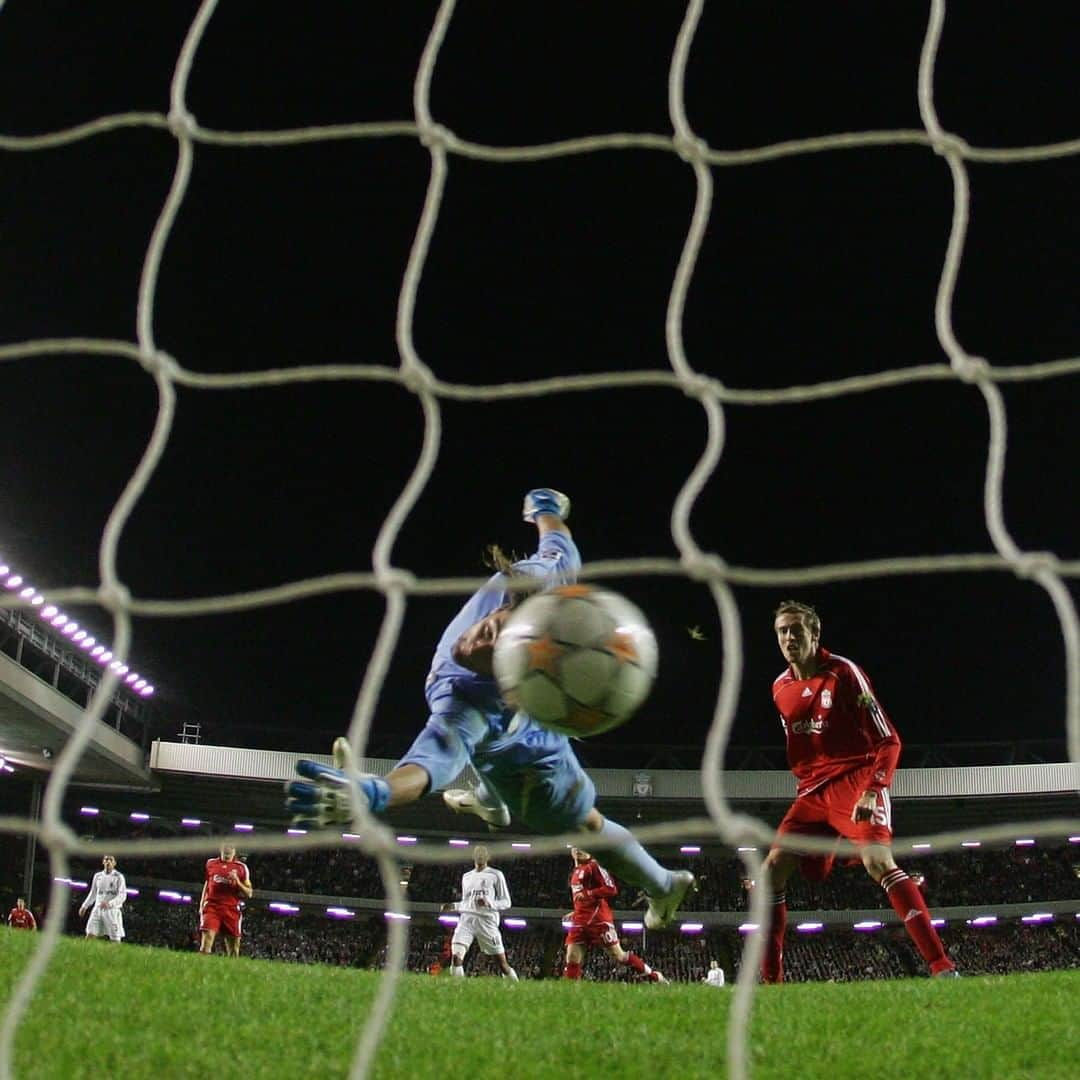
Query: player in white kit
pixel 106 897
pixel 715 975
pixel 484 894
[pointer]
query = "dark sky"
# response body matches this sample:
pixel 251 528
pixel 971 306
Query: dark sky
pixel 814 267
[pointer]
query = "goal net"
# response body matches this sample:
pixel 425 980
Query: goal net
pixel 431 371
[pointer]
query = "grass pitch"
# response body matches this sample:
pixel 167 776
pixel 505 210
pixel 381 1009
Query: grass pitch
pixel 137 1012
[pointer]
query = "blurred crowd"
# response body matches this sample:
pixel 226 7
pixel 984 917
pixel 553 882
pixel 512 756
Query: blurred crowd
pixel 971 876
pixel 837 955
pixel 1001 875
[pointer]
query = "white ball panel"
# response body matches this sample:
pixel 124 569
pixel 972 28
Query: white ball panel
pixel 630 621
pixel 628 690
pixel 541 698
pixel 579 661
pixel 579 621
pixel 537 612
pixel 586 674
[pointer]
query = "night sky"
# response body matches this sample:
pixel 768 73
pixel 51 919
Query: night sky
pixel 814 267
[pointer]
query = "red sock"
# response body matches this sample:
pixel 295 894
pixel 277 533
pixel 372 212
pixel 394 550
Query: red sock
pixel 572 971
pixel 634 961
pixel 907 901
pixel 772 961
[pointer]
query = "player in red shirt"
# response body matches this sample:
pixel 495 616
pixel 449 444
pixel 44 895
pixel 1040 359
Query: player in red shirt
pixel 843 750
pixel 21 917
pixel 593 923
pixel 227 883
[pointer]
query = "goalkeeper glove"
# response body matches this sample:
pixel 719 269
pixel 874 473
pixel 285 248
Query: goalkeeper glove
pixel 545 501
pixel 326 800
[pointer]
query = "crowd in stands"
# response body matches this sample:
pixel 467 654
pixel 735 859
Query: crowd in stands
pixel 1015 875
pixel 537 952
pixel 971 876
pixel 952 878
pixel 1004 950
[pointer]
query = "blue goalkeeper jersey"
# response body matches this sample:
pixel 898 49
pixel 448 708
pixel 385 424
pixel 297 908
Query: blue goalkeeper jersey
pixel 556 562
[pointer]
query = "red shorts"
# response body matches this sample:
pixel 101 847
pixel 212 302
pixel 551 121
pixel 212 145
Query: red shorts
pixel 826 811
pixel 597 933
pixel 218 917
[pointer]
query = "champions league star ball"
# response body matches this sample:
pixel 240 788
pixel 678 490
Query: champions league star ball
pixel 577 659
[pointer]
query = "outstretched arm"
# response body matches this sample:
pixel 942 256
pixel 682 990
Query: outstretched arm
pixel 557 555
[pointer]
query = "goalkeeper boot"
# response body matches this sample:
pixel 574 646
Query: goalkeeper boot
pixel 545 501
pixel 662 909
pixel 478 801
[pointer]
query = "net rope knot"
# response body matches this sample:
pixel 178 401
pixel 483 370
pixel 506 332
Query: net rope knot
pixel 946 143
pixel 971 368
pixel 158 360
pixel 691 148
pixel 704 567
pixel 58 836
pixel 436 136
pixel 115 597
pixel 701 386
pixel 395 580
pixel 418 378
pixel 1032 563
pixel 182 124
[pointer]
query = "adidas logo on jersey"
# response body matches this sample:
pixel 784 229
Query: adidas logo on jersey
pixel 807 692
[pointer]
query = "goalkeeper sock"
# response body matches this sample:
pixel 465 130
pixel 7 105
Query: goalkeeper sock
pixel 631 862
pixel 907 901
pixel 772 960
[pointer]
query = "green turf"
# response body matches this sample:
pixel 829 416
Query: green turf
pixel 138 1012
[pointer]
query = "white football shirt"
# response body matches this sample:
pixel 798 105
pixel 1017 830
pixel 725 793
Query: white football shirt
pixel 488 885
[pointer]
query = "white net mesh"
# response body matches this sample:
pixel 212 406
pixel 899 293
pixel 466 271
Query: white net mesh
pixel 396 585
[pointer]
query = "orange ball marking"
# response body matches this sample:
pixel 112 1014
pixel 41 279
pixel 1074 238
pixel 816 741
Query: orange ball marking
pixel 622 645
pixel 544 654
pixel 585 720
pixel 573 590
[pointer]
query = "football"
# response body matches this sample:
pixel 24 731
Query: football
pixel 579 660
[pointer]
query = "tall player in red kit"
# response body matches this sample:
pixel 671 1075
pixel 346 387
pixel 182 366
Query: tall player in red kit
pixel 593 923
pixel 227 883
pixel 843 750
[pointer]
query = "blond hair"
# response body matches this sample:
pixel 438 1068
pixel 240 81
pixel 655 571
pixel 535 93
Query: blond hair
pixel 809 616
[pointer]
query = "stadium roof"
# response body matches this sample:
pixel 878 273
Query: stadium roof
pixel 225 786
pixel 36 722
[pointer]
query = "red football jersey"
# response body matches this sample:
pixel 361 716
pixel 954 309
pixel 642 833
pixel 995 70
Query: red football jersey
pixel 834 724
pixel 219 888
pixel 22 920
pixel 590 886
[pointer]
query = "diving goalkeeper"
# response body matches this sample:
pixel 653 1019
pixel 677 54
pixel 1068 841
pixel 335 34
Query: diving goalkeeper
pixel 524 770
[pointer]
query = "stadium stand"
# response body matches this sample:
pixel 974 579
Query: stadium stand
pixel 1030 875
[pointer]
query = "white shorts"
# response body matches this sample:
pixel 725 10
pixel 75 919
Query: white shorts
pixel 484 931
pixel 105 922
